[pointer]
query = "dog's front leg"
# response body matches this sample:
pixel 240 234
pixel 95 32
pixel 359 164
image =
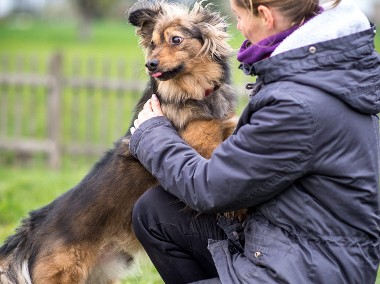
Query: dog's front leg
pixel 204 135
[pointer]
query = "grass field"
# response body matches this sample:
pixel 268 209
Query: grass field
pixel 23 189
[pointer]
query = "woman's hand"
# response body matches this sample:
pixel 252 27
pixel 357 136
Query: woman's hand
pixel 151 109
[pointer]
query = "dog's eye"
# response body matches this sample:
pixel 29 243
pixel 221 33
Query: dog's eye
pixel 152 45
pixel 176 40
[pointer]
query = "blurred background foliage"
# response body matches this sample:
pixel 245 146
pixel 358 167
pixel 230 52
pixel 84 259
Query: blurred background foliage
pixel 77 29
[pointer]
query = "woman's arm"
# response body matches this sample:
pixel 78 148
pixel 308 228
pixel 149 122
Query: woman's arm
pixel 252 166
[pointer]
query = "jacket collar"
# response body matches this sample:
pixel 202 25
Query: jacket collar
pixel 332 23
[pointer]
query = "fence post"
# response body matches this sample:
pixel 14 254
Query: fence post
pixel 53 109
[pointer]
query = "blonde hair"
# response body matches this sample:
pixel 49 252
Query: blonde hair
pixel 295 10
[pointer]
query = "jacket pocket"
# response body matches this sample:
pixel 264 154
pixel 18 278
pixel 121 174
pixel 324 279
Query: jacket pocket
pixel 274 253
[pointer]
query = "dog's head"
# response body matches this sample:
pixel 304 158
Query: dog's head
pixel 176 38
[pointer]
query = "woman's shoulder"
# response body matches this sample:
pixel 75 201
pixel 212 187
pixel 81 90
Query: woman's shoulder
pixel 287 93
pixel 297 103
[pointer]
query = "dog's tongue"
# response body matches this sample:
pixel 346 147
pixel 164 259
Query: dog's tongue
pixel 156 75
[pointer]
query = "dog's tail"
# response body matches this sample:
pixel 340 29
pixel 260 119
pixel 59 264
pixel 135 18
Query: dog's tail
pixel 16 251
pixel 17 240
pixel 14 256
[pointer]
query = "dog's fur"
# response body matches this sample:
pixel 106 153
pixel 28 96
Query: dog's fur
pixel 85 235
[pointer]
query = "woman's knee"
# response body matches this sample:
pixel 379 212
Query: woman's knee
pixel 153 199
pixel 151 208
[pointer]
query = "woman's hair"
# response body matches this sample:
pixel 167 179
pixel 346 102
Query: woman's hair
pixel 297 11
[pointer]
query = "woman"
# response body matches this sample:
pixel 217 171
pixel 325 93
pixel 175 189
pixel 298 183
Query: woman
pixel 303 159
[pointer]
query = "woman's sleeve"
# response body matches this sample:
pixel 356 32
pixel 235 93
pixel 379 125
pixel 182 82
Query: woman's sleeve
pixel 263 158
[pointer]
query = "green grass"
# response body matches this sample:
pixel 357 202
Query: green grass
pixel 108 38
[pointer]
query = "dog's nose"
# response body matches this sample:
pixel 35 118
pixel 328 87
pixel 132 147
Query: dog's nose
pixel 152 64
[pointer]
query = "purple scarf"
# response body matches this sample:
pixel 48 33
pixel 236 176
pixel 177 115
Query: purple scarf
pixel 252 53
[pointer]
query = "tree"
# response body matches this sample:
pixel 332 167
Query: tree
pixel 90 10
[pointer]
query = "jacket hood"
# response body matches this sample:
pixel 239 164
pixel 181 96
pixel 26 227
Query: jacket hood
pixel 334 52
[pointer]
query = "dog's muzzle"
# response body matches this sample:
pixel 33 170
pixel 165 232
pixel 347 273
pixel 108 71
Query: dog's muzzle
pixel 152 65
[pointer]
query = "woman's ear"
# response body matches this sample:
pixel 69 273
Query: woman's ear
pixel 267 16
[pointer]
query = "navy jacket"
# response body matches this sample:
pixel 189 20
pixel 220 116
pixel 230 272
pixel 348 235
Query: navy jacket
pixel 304 159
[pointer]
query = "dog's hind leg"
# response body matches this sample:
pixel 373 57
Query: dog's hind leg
pixel 64 265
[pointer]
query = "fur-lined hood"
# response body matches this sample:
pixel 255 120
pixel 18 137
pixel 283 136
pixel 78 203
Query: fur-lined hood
pixel 334 52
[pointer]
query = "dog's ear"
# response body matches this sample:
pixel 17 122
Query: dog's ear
pixel 213 28
pixel 143 16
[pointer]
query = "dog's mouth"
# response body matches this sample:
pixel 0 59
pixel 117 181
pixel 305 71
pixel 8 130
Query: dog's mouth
pixel 166 75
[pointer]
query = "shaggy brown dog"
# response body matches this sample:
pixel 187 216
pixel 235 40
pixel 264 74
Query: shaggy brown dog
pixel 85 235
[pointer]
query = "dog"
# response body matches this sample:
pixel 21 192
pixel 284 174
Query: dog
pixel 86 235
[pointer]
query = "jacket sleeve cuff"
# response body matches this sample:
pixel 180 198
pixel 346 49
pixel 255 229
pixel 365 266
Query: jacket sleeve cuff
pixel 144 129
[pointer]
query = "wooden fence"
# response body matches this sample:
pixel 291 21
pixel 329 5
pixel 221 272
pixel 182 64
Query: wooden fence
pixel 58 106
